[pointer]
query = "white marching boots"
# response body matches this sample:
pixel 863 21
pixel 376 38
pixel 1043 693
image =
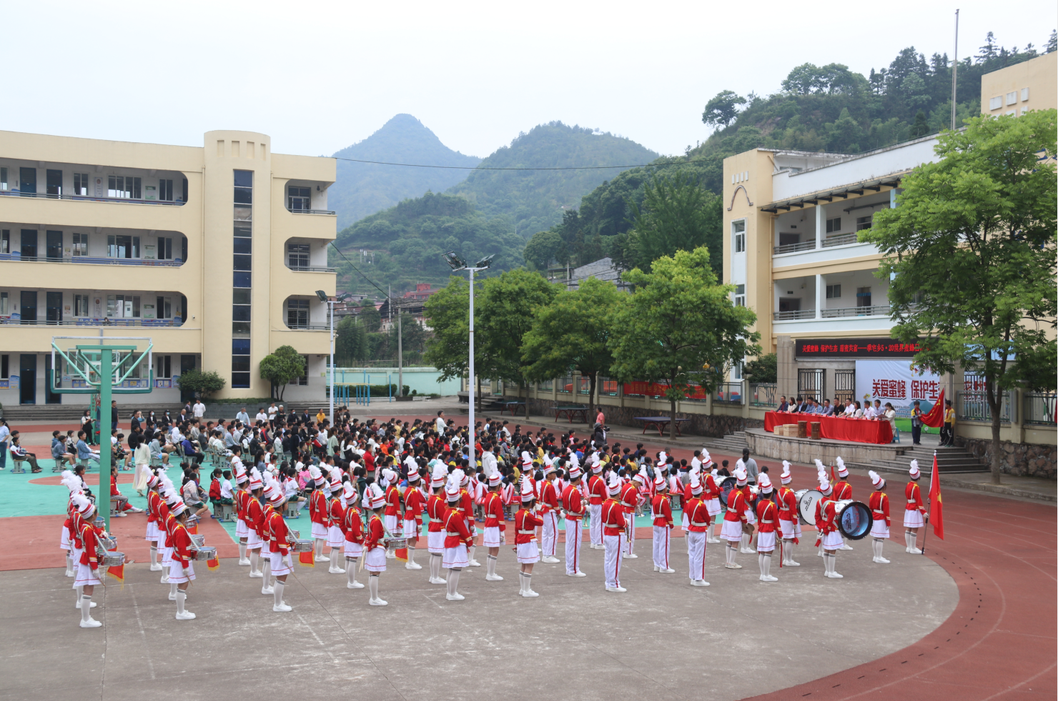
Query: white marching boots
pixel 350 571
pixel 372 588
pixel 528 592
pixel 730 551
pixel 490 568
pixel 912 543
pixel 435 570
pixel 453 586
pixel 86 613
pixel 767 577
pixel 182 614
pixel 746 550
pixel 278 605
pixel 411 564
pixel 877 546
pixel 243 560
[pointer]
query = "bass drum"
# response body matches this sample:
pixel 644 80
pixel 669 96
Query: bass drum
pixel 806 504
pixel 726 485
pixel 854 518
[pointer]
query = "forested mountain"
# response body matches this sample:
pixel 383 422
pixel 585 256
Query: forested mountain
pixel 818 108
pixel 535 199
pixel 362 188
pixel 403 244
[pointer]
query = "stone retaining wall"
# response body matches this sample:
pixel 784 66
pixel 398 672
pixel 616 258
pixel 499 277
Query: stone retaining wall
pixel 1024 459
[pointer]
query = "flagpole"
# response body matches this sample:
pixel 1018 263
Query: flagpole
pixel 925 528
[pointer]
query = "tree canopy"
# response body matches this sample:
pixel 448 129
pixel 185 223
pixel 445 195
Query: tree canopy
pixel 280 367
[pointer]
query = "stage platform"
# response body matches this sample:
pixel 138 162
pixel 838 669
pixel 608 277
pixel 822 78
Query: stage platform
pixel 805 450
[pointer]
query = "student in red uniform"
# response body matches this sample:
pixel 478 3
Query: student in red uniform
pixel 613 519
pixel 466 504
pixel 87 577
pixel 181 567
pixel 698 525
pixel 375 544
pixel 493 536
pixel 661 511
pixel 711 497
pixel 596 496
pixel 525 523
pixel 915 510
pixel 629 502
pixel 548 514
pixel 768 525
pixel 436 509
pixel 842 491
pixel 319 513
pixel 457 536
pixel 735 520
pixel 392 518
pixel 278 545
pixel 879 505
pixel 573 503
pixel 789 524
pixel 242 499
pixel 826 524
pixel 353 532
pixel 254 525
pixel 414 504
pixel 154 483
pixel 335 536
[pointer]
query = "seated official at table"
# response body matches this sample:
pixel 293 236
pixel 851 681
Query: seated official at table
pixel 783 405
pixel 827 409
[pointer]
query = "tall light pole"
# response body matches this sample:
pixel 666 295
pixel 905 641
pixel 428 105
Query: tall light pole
pixel 330 304
pixel 458 265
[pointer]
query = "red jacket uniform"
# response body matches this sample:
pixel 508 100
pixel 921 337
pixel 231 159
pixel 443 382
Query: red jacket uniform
pixel 352 525
pixel 89 545
pixel 494 511
pixel 456 529
pixel 914 497
pixel 629 496
pixel 767 516
pixel 278 533
pixel 392 501
pixel 572 503
pixel 436 510
pixel 662 509
pixel 710 490
pixel 842 491
pixel 152 506
pixel 826 515
pixel 548 498
pixel 879 504
pixel 414 502
pixel 255 517
pixel 376 533
pixel 736 506
pixel 525 525
pixel 787 505
pixel 466 505
pixel 169 524
pixel 596 490
pixel 181 544
pixel 318 508
pixel 613 517
pixel 336 513
pixel 697 516
pixel 242 499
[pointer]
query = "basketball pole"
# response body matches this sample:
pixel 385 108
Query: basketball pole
pixel 106 378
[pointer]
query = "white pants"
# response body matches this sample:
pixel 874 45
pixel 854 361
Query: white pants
pixel 630 533
pixel 696 555
pixel 661 547
pixel 613 544
pixel 595 524
pixel 550 534
pixel 573 537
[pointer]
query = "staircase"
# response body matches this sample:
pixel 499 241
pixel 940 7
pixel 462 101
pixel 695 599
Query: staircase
pixel 949 461
pixel 731 444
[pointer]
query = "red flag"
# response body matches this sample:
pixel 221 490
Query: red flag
pixel 935 417
pixel 118 573
pixel 213 564
pixel 936 505
pixel 401 554
pixel 305 558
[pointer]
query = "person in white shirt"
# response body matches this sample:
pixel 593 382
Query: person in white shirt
pixel 261 415
pixel 199 409
pixel 440 424
pixel 272 411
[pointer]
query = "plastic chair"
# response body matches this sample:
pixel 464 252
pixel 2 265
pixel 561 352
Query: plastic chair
pixel 896 435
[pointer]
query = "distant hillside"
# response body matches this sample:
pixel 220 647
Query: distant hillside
pixel 363 189
pixel 533 200
pixel 402 245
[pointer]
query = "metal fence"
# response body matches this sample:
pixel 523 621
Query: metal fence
pixel 545 386
pixel 729 393
pixel 764 394
pixel 973 406
pixel 565 385
pixel 1040 409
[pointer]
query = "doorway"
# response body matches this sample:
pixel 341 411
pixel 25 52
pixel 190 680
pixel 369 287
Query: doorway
pixel 51 397
pixel 27 379
pixel 27 181
pixel 29 307
pixel 53 304
pixel 53 245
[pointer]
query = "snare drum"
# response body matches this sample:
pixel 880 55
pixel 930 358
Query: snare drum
pixel 100 522
pixel 108 543
pixel 295 534
pixel 302 546
pixel 206 553
pixel 192 520
pixel 112 559
pixel 854 518
pixel 806 504
pixel 726 485
pixel 198 540
pixel 396 543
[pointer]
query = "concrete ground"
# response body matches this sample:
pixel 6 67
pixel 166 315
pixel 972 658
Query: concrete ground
pixel 736 638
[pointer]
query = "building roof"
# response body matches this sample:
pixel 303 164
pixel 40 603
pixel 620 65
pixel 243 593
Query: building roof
pixel 842 192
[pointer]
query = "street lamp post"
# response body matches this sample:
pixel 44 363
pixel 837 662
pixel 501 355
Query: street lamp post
pixel 330 304
pixel 458 265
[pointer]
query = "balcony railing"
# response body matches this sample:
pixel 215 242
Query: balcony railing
pixel 876 310
pixel 85 321
pixel 309 327
pixel 311 211
pixel 840 240
pixel 763 394
pixel 795 247
pixel 797 314
pixel 89 198
pixel 310 268
pixel 94 260
pixel 1040 409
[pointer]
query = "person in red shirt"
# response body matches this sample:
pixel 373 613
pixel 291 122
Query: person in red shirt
pixel 661 512
pixel 436 510
pixel 768 520
pixel 843 491
pixel 596 496
pixel 414 504
pixel 181 567
pixel 87 577
pixel 254 525
pixel 826 524
pixel 613 519
pixel 457 536
pixel 335 536
pixel 735 520
pixel 789 524
pixel 525 524
pixel 375 544
pixel 879 505
pixel 493 536
pixel 153 500
pixel 548 515
pixel 711 496
pixel 466 505
pixel 698 524
pixel 915 510
pixel 393 515
pixel 573 504
pixel 242 499
pixel 353 530
pixel 629 502
pixel 319 513
pixel 279 545
pixel 124 507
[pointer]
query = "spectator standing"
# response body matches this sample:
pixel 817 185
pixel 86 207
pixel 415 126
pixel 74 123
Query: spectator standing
pixel 916 424
pixel 5 436
pixel 199 409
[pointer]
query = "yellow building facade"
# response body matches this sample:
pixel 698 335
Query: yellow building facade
pixel 1022 87
pixel 214 252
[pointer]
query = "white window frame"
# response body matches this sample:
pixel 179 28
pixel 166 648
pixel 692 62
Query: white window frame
pixel 1012 98
pixel 80 305
pixel 738 243
pixel 79 246
pixel 995 103
pixel 1024 94
pixel 740 295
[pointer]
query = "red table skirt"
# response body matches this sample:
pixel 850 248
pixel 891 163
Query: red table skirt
pixel 838 429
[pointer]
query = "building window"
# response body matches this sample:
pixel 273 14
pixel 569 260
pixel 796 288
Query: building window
pixel 80 184
pixel 298 313
pixel 165 248
pixel 740 295
pixel 833 225
pixel 995 103
pixel 863 296
pixel 298 255
pixel 299 199
pixel 1024 94
pixel 3 184
pixel 123 306
pixel 4 308
pixel 736 371
pixel 738 229
pixel 304 379
pixel 80 245
pixel 164 308
pixel 5 367
pixel 124 187
pixel 864 222
pixel 240 363
pixel 80 305
pixel 165 367
pixel 165 190
pixel 833 291
pixel 123 246
pixel 1012 98
pixel 5 240
pixel 241 311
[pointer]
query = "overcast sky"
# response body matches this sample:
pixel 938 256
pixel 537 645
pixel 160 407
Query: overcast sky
pixel 318 76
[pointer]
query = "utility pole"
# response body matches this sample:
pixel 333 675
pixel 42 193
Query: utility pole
pixel 954 70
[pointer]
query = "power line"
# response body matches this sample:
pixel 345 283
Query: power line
pixel 422 165
pixel 372 282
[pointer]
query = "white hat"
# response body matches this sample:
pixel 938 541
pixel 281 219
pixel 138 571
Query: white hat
pixel 178 508
pixel 614 487
pixel 575 473
pixel 527 491
pixel 913 472
pixel 764 483
pixel 413 475
pixel 452 490
pixel 83 505
pixel 820 467
pixel 662 457
pixel 349 491
pixel 495 478
pixel 527 459
pixel 786 477
pixel 876 479
pixel 388 477
pixel 378 498
pixel 696 485
pixel 641 476
pixel 440 473
pixel 706 458
pixel 316 475
pixel 842 470
pixel 741 477
pixel 659 481
pixel 824 483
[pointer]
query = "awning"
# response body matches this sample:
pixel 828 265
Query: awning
pixel 841 193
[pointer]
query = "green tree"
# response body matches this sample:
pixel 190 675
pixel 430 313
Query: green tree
pixel 280 367
pixel 676 215
pixel 202 384
pixel 508 306
pixel 762 369
pixel 573 333
pixel 350 344
pixel 447 312
pixel 970 254
pixel 371 318
pixel 413 338
pixel 723 108
pixel 679 326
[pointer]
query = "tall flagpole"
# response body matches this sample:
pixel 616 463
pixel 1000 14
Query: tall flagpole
pixel 954 71
pixel 925 528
